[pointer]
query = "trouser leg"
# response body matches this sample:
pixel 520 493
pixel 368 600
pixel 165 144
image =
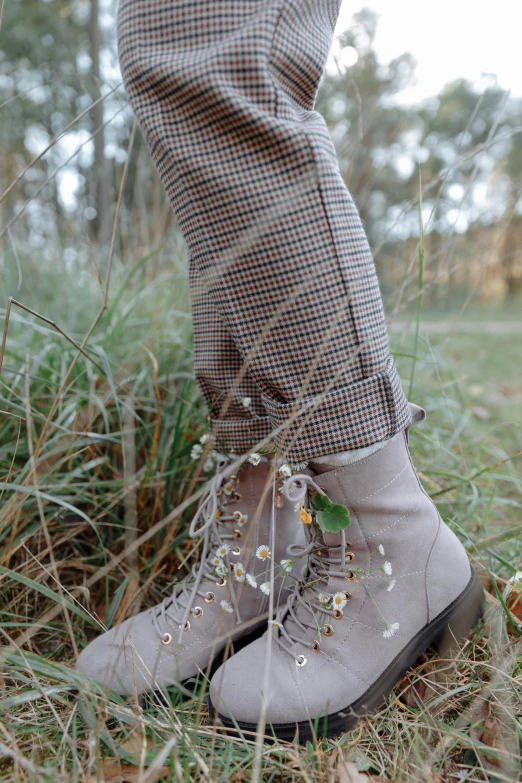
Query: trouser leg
pixel 224 93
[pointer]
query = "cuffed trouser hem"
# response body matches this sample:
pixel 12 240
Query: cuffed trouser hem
pixel 241 435
pixel 352 417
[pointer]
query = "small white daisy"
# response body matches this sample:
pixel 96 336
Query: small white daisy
pixel 221 569
pixel 241 519
pixel 208 465
pixel 226 607
pixel 239 572
pixel 263 552
pixel 223 550
pixel 287 565
pixel 391 585
pixel 246 402
pixel 387 568
pixel 254 458
pixel 339 601
pixel 252 581
pixel 275 623
pixel 265 588
pixel 216 561
pixel 380 549
pixel 390 630
pixel 229 488
pixel 324 598
pixel 196 451
pixel 204 438
pixel 285 470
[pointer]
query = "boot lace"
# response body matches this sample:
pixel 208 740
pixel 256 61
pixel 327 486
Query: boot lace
pixel 213 517
pixel 307 601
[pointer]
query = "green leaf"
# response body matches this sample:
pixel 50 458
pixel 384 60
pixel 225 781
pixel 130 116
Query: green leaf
pixel 333 518
pixel 321 502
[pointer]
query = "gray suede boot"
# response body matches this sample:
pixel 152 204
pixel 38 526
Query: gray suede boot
pixel 225 599
pixel 375 596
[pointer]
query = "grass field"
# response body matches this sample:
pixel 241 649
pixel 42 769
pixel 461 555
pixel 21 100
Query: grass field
pixel 123 421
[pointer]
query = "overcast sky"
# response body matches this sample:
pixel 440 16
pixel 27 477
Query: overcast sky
pixel 448 38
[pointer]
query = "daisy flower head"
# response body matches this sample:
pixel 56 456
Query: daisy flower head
pixel 380 549
pixel 339 601
pixel 223 550
pixel 226 607
pixel 324 598
pixel 390 630
pixel 391 585
pixel 229 489
pixel 265 588
pixel 252 581
pixel 254 458
pixel 246 402
pixel 387 568
pixel 208 465
pixel 196 451
pixel 204 438
pixel 305 516
pixel 275 623
pixel 285 470
pixel 263 552
pixel 286 565
pixel 241 519
pixel 221 569
pixel 216 561
pixel 239 572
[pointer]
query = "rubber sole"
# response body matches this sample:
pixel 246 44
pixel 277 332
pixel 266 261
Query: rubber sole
pixel 444 633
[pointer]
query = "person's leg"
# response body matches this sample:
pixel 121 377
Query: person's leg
pixel 224 94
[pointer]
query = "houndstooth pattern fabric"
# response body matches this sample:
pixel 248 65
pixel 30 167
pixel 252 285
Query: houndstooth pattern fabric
pixel 286 303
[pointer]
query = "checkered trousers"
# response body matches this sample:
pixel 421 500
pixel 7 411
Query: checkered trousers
pixel 286 303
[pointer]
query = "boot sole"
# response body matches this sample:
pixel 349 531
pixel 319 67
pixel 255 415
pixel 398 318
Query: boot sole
pixel 444 633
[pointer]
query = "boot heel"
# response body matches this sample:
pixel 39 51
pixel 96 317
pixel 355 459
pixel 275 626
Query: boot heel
pixel 462 617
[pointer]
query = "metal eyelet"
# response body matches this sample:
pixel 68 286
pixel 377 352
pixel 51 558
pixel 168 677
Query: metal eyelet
pixel 209 598
pixel 167 638
pixel 328 630
pixel 238 535
pixel 349 543
pixel 316 647
pixel 238 514
pixel 236 552
pixel 197 612
pixel 300 660
pixel 233 479
pixel 237 497
pixel 338 615
pixel 221 582
pixel 348 595
pixel 350 557
pixel 186 627
pixel 351 577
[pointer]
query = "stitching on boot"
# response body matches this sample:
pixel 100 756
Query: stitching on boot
pixel 385 529
pixel 437 532
pixel 361 500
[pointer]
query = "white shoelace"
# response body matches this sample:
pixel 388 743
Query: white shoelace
pixel 214 532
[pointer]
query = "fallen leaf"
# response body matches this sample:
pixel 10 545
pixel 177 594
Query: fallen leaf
pixel 119 772
pixel 420 687
pixel 347 772
pixel 487 731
